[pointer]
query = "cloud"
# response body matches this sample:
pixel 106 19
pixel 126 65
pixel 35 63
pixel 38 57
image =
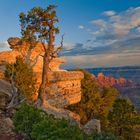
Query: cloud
pixel 103 60
pixel 138 29
pixel 99 22
pixel 105 46
pixel 119 24
pixel 81 27
pixel 125 22
pixel 68 46
pixel 109 13
pixel 4 45
pixel 99 25
pixel 113 41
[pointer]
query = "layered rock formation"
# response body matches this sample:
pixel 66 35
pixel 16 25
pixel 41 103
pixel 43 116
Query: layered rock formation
pixel 65 87
pixel 110 80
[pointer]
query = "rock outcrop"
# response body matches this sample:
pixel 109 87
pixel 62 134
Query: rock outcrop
pixel 64 86
pixel 110 80
pixel 92 126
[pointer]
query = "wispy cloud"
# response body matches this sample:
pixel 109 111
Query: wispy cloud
pixel 114 40
pixel 109 13
pixel 4 45
pixel 103 60
pixel 81 27
pixel 118 24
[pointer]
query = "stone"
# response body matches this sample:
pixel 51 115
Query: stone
pixel 65 88
pixel 9 123
pixel 13 41
pixel 5 92
pixel 92 126
pixel 60 113
pixel 6 125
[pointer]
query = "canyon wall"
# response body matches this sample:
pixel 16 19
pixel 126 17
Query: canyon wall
pixel 64 86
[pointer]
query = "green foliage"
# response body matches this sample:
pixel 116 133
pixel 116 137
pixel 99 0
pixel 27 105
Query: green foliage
pixel 35 25
pixel 123 118
pixel 95 101
pixel 40 126
pixel 53 129
pixel 26 117
pixel 104 136
pixel 22 75
pixel 39 25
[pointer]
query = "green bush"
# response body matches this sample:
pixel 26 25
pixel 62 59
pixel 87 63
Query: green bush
pixel 104 136
pixel 56 129
pixel 26 117
pixel 96 101
pixel 123 118
pixel 35 124
pixel 22 75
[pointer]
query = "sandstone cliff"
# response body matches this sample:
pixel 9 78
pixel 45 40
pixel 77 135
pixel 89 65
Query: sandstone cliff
pixel 65 86
pixel 110 80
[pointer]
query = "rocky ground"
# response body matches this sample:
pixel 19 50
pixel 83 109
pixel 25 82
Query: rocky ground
pixel 6 128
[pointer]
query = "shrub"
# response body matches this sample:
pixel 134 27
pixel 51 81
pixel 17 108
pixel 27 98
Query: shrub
pixel 123 118
pixel 22 75
pixel 96 101
pixel 40 126
pixel 104 136
pixel 26 117
pixel 53 129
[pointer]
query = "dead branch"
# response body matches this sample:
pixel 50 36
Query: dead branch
pixel 35 60
pixel 16 104
pixel 55 53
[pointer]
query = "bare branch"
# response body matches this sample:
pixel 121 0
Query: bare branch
pixel 35 60
pixel 16 104
pixel 62 40
pixel 55 53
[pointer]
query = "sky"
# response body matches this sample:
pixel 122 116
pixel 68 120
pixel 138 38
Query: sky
pixel 98 33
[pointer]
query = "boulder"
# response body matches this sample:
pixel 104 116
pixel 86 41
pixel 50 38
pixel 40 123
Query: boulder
pixel 65 88
pixel 92 126
pixel 60 113
pixel 13 41
pixel 5 92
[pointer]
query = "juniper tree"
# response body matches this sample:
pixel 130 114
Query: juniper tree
pixel 123 118
pixel 39 25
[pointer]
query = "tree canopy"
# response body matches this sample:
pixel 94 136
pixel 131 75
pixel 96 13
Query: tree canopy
pixel 39 25
pixel 123 118
pixel 95 101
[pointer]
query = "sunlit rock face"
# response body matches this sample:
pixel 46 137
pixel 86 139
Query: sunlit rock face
pixel 109 80
pixel 64 86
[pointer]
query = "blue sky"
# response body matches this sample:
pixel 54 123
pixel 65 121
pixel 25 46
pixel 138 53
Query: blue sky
pixel 97 32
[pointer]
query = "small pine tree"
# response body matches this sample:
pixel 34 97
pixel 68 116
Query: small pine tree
pixel 123 118
pixel 25 118
pixel 95 101
pixel 23 77
pixel 36 124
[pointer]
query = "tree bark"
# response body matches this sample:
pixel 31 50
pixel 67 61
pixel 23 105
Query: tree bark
pixel 46 60
pixel 44 81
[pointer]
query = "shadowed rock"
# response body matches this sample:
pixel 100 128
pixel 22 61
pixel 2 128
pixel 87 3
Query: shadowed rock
pixel 5 93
